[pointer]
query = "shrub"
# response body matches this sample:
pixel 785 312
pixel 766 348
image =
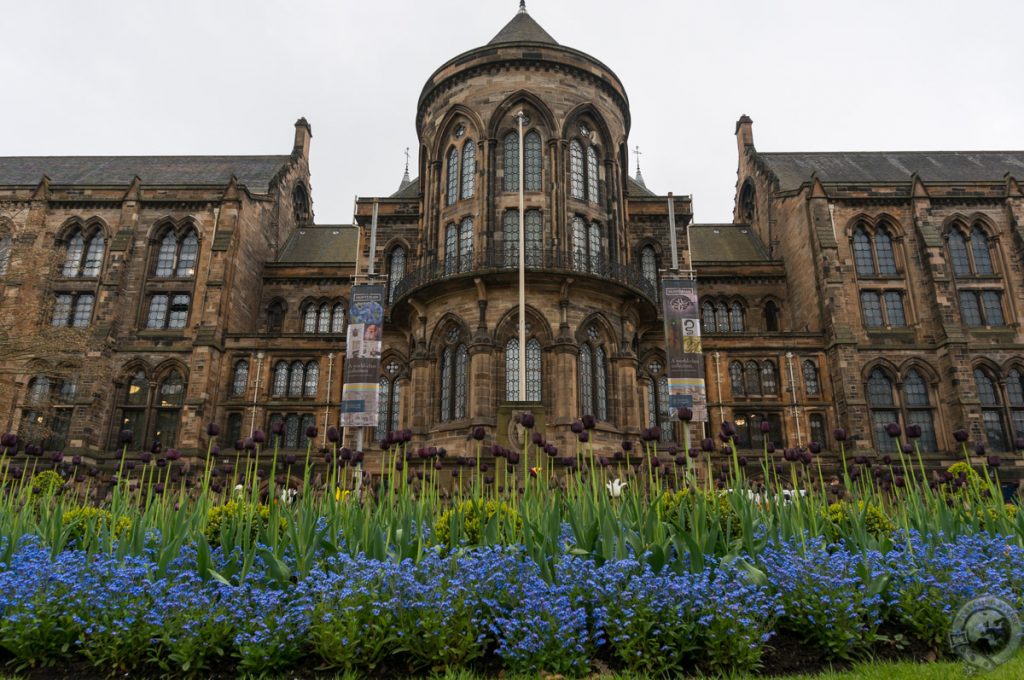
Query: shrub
pixel 89 521
pixel 237 514
pixel 472 518
pixel 843 515
pixel 968 472
pixel 47 482
pixel 713 504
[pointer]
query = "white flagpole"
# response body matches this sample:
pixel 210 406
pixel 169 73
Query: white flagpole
pixel 522 264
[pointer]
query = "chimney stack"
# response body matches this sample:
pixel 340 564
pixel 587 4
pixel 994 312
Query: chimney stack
pixel 303 135
pixel 744 133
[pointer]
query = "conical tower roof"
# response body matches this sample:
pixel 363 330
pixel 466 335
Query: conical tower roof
pixel 522 28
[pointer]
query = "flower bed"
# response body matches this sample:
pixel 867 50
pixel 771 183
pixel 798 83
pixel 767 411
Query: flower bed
pixel 488 607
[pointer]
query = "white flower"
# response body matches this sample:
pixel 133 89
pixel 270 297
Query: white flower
pixel 239 489
pixel 615 488
pixel 288 495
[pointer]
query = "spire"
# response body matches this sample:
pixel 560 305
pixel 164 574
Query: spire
pixel 405 178
pixel 522 28
pixel 639 175
pixel 522 6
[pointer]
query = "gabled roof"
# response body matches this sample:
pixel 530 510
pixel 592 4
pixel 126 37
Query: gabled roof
pixel 635 188
pixel 254 172
pixel 522 28
pixel 726 243
pixel 321 244
pixel 793 169
pixel 408 190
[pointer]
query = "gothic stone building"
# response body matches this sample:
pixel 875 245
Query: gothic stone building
pixel 851 289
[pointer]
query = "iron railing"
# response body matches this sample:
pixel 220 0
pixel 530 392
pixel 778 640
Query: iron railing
pixel 498 259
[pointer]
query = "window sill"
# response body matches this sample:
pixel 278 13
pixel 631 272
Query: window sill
pixel 997 331
pixel 162 333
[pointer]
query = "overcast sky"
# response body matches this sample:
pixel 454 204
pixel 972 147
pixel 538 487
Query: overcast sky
pixel 212 77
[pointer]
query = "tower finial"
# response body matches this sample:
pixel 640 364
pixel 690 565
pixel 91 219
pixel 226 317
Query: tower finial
pixel 522 6
pixel 639 175
pixel 405 178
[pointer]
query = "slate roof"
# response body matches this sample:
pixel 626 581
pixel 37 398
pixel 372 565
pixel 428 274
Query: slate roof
pixel 522 28
pixel 321 244
pixel 635 188
pixel 255 172
pixel 725 243
pixel 793 169
pixel 410 190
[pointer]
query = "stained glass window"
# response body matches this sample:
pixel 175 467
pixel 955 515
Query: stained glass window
pixel 575 170
pixel 383 403
pixel 1015 389
pixel 453 176
pixel 736 318
pixel 324 319
pixel 240 379
pixel 811 377
pixel 722 316
pixel 157 311
pixel 309 319
pixel 187 255
pixel 534 237
pixel 579 244
pixel 466 245
pixel 818 431
pixel 511 174
pixel 468 168
pixel 752 378
pixel 533 162
pixel 461 381
pixel 736 379
pixel 280 379
pixel 862 258
pixel 451 249
pixel 769 378
pixel 586 379
pixel 73 256
pixel 595 247
pixel 708 317
pixel 600 384
pixel 165 255
pixel 512 370
pixel 178 312
pixel 396 270
pixel 649 265
pixel 533 370
pixel 447 364
pixel 338 318
pixel 93 256
pixel 291 431
pixel 879 389
pixel 138 389
pixel 592 176
pixel 295 381
pixel 308 421
pixel 510 237
pixel 312 379
pixel 172 390
pixel 61 310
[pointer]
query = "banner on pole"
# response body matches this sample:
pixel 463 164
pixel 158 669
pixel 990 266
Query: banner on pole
pixel 683 347
pixel 360 390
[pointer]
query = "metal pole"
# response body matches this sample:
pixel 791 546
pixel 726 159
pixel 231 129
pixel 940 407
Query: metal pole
pixel 373 240
pixel 672 232
pixel 522 263
pixel 718 382
pixel 796 409
pixel 256 391
pixel 327 408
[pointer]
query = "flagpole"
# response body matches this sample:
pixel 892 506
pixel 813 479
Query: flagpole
pixel 522 264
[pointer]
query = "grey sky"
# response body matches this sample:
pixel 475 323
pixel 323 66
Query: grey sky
pixel 194 77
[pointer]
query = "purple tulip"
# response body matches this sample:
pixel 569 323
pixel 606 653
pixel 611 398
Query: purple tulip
pixel 259 436
pixel 708 444
pixel 277 427
pixel 384 443
pixel 311 432
pixel 766 426
pixel 979 448
pixel 655 433
pixel 1018 443
pixel 577 427
pixel 839 434
pixel 479 433
pixel 907 447
pixel 214 450
pixel 914 431
pixel 145 457
pixel 899 482
pixel 589 422
pixel 893 430
pixel 160 462
pixel 806 458
pixel 250 443
pixel 537 438
pixel 9 440
pixel 685 414
pixel 333 435
pixel 173 454
pixel 345 453
pixel 994 461
pixel 125 437
pixel 527 420
pixel 770 447
pixel 32 450
pixel 213 429
pixel 814 447
pixel 289 459
pixel 584 437
pixel 694 452
pixel 961 435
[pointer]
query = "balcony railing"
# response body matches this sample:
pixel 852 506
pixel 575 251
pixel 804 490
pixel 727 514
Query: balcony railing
pixel 498 260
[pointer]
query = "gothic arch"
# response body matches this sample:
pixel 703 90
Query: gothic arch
pixel 88 227
pixel 164 368
pixel 441 328
pixel 494 127
pixel 606 142
pixel 922 367
pixel 606 330
pixel 890 369
pixel 507 326
pixel 441 141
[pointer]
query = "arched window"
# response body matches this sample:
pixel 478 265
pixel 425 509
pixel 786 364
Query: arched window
pixel 234 429
pixel 579 244
pixel 819 433
pixel 177 255
pixel 338 318
pixel 5 253
pixel 84 254
pixel 981 308
pixel 396 270
pixel 649 265
pixel 170 397
pixel 295 379
pixel 510 181
pixel 769 378
pixel 576 170
pixel 533 370
pixel 458 247
pixel 533 223
pixel 917 408
pixel 873 256
pixel 592 185
pixel 312 379
pixel 736 379
pixel 72 310
pixel 992 411
pixel 883 409
pixel 595 247
pixel 240 378
pixel 512 370
pixel 280 387
pixel 658 410
pixel 752 378
pixel 466 244
pixel 722 315
pixel 454 376
pixel 309 319
pixel 388 400
pixel 1015 399
pixel 533 162
pixel 980 251
pixel 811 383
pixel 468 168
pixel 39 391
pixel 275 316
pixel 771 316
pixel 747 202
pixel 134 403
pixel 324 319
pixel 300 204
pixel 593 377
pixel 708 317
pixel 958 253
pixel 736 317
pixel 453 176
